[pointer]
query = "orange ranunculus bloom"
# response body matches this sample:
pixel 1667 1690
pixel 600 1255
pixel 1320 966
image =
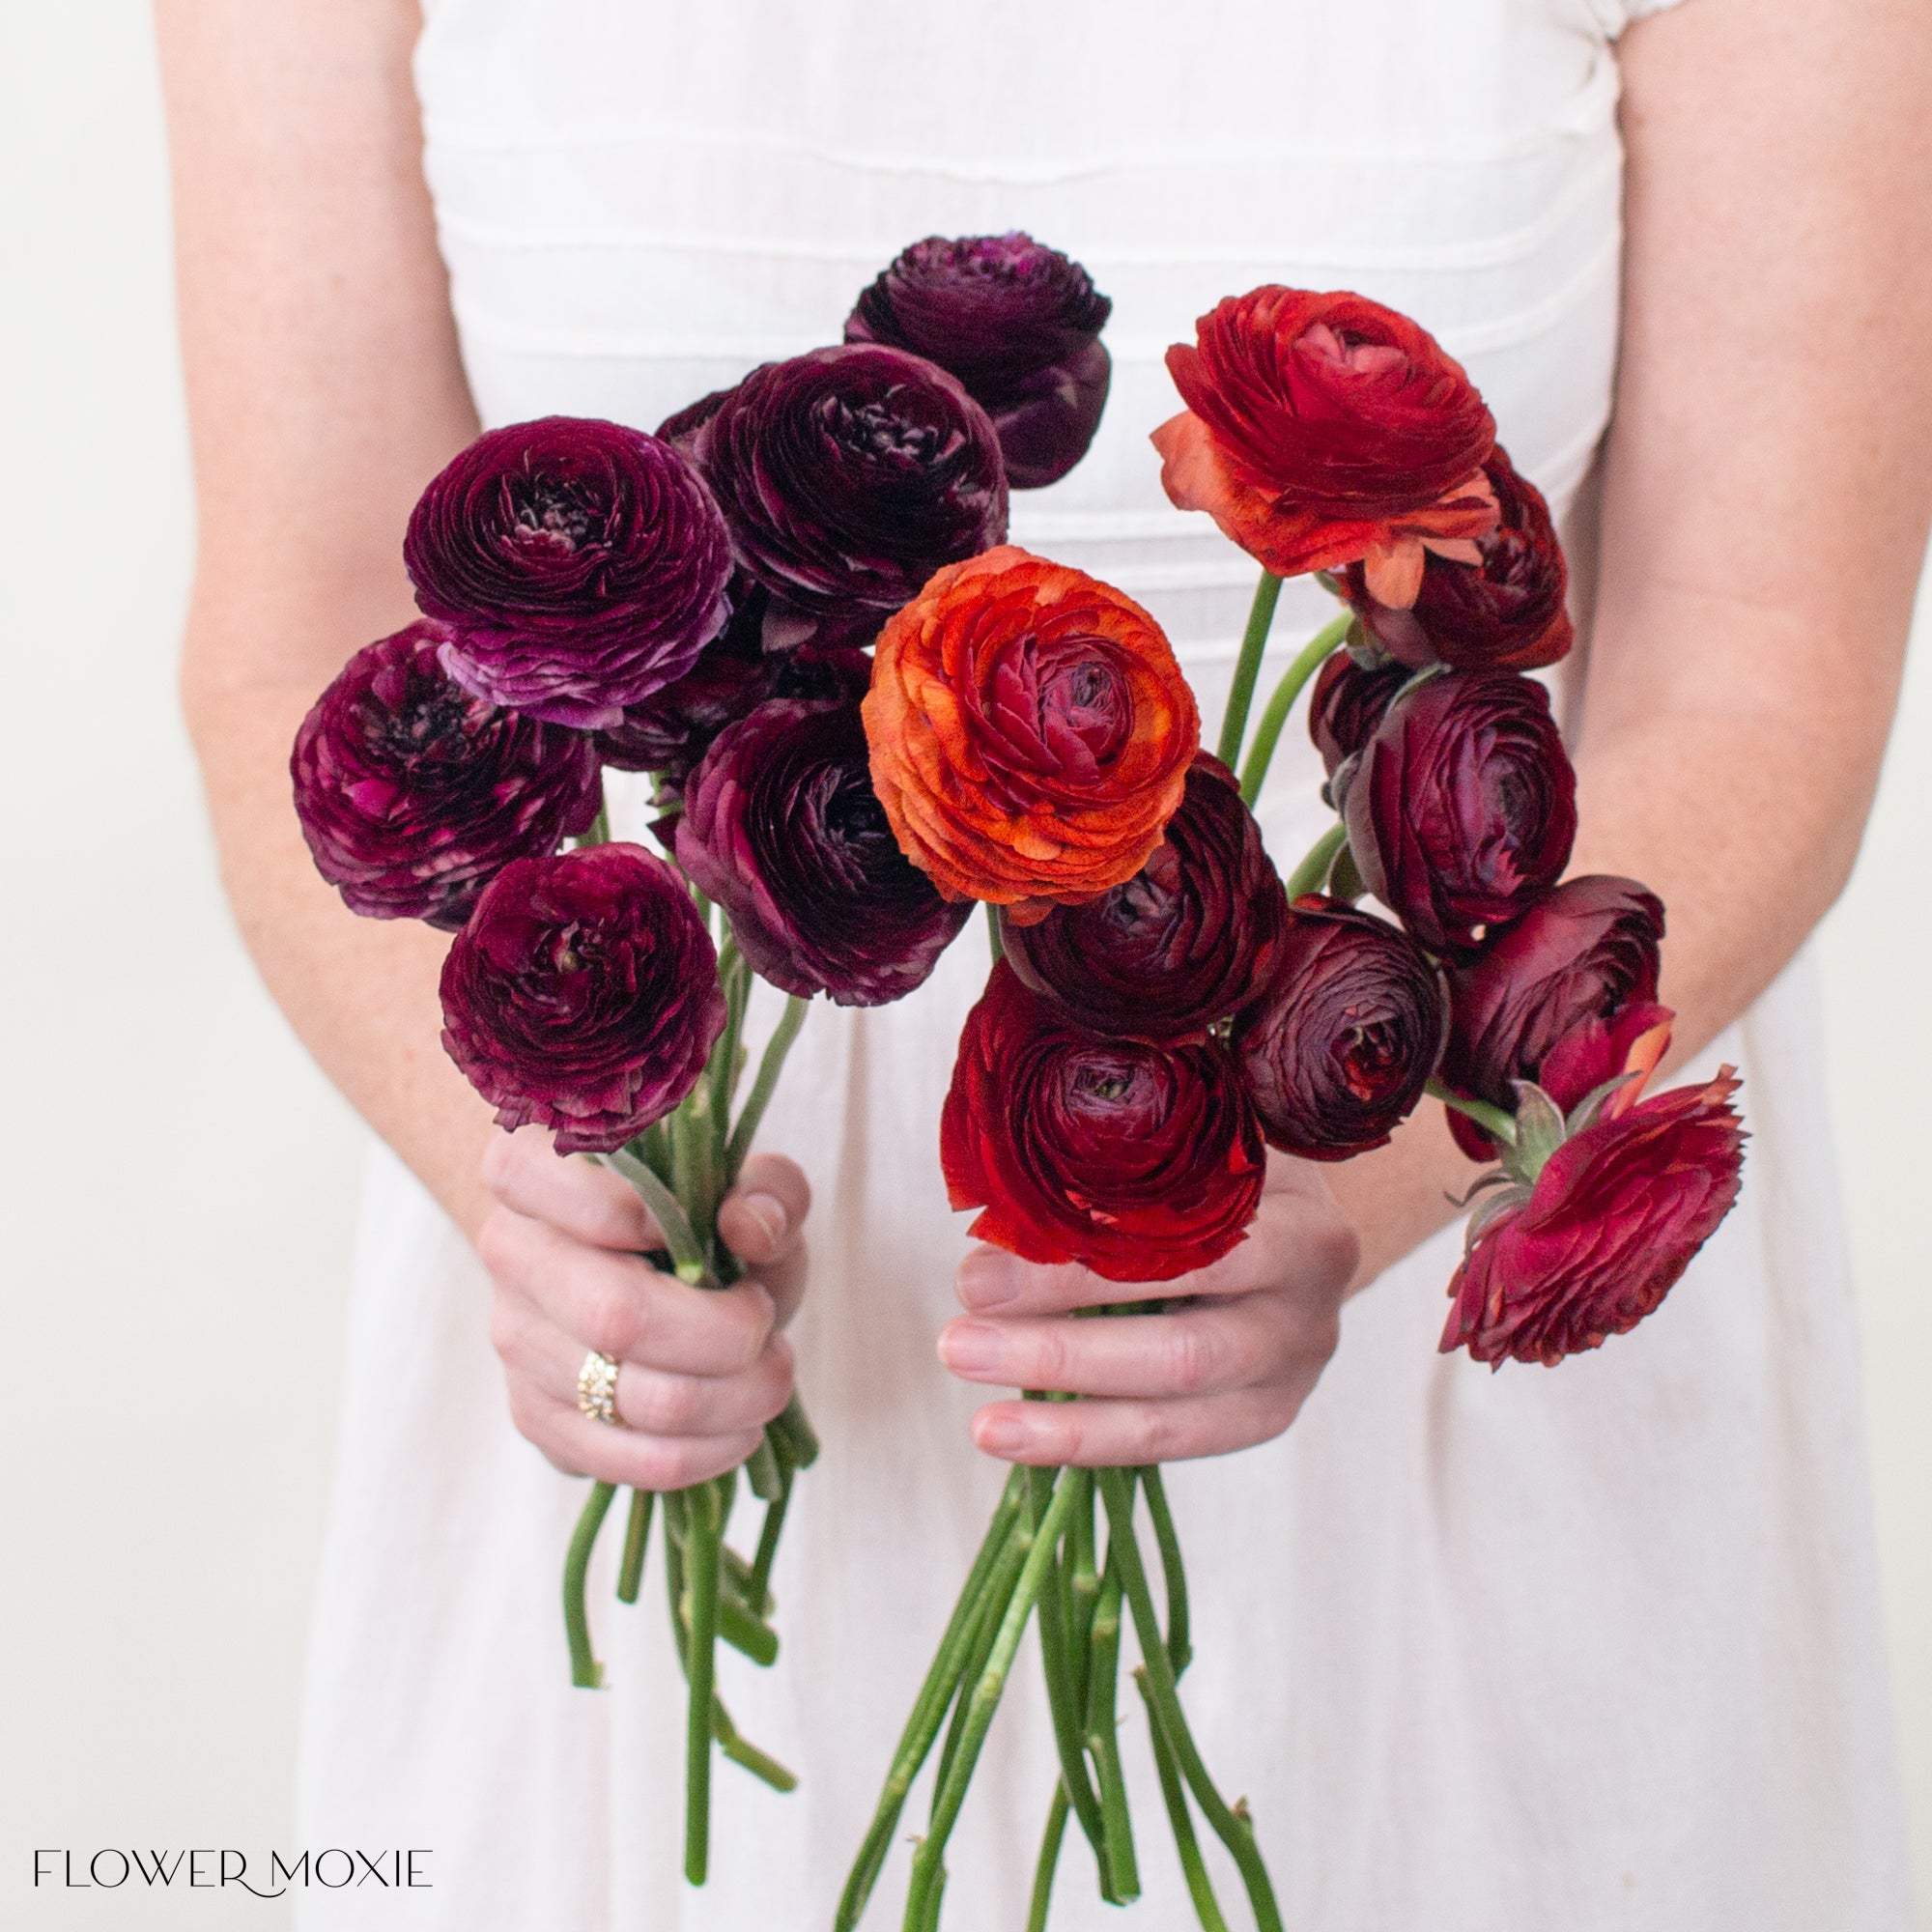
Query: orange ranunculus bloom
pixel 1029 733
pixel 1322 430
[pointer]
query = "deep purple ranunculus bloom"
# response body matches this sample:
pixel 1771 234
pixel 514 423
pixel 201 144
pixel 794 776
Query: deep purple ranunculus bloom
pixel 1578 958
pixel 735 674
pixel 782 827
pixel 1347 704
pixel 413 793
pixel 1505 613
pixel 583 995
pixel 1338 1054
pixel 1019 324
pixel 1463 810
pixel 1187 941
pixel 579 565
pixel 848 476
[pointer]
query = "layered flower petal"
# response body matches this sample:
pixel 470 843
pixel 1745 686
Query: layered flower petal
pixel 583 995
pixel 1139 1161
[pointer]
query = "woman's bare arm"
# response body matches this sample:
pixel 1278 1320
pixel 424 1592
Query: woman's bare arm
pixel 324 392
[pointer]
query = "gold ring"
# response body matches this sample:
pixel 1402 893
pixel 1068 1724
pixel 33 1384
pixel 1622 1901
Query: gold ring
pixel 597 1388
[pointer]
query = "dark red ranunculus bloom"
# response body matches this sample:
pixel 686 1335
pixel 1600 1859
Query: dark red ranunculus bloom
pixel 1323 429
pixel 414 794
pixel 581 566
pixel 1574 961
pixel 1337 1054
pixel 1462 811
pixel 1506 612
pixel 1187 941
pixel 848 476
pixel 668 733
pixel 1609 1226
pixel 1139 1161
pixel 583 995
pixel 782 827
pixel 1019 324
pixel 1347 703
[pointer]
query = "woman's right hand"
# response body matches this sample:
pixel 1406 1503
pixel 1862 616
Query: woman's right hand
pixel 700 1371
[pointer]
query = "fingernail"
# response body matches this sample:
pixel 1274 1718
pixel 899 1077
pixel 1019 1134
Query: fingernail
pixel 989 1278
pixel 971 1348
pixel 1000 1433
pixel 768 1213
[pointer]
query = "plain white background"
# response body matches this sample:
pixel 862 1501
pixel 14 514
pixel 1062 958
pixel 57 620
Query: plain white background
pixel 180 1182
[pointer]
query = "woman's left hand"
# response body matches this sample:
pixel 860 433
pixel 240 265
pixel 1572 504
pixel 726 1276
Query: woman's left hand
pixel 1228 1368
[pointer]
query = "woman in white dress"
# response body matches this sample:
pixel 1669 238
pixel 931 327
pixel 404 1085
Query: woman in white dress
pixel 1592 1648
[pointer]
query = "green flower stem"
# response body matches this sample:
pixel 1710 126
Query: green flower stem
pixel 741 1578
pixel 585 1672
pixel 1200 1888
pixel 1268 734
pixel 928 1918
pixel 741 1751
pixel 750 1635
pixel 1345 878
pixel 760 1590
pixel 599 833
pixel 763 1471
pixel 1180 1649
pixel 1051 1840
pixel 702 1534
pixel 929 1711
pixel 1307 878
pixel 1118 1490
pixel 763 1086
pixel 1103 1675
pixel 1062 1695
pixel 1499 1122
pixel 793 1436
pixel 984 1635
pixel 734 977
pixel 687 1252
pixel 995 943
pixel 984 1700
pixel 1247 668
pixel 636 1534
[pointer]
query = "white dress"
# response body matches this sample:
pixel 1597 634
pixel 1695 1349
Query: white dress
pixel 1587 1648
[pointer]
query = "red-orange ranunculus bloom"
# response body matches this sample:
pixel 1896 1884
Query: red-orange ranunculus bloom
pixel 1029 733
pixel 1322 430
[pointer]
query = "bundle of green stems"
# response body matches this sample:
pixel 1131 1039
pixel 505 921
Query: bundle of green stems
pixel 682 1167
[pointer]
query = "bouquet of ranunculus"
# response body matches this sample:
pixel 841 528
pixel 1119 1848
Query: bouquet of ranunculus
pixel 1166 1004
pixel 695 605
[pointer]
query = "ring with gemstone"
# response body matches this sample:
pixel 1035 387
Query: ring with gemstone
pixel 597 1388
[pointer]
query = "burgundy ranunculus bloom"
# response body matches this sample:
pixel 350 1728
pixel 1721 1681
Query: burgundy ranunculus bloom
pixel 782 827
pixel 414 794
pixel 668 733
pixel 1139 1161
pixel 1574 961
pixel 1347 703
pixel 1337 1054
pixel 1464 808
pixel 583 995
pixel 1505 613
pixel 1187 941
pixel 1611 1224
pixel 1019 324
pixel 579 565
pixel 848 476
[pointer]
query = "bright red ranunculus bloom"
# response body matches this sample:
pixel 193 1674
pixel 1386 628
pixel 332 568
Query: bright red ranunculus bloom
pixel 1322 430
pixel 1611 1224
pixel 1141 1162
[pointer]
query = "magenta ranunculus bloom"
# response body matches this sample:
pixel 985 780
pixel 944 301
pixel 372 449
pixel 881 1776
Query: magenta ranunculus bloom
pixel 782 827
pixel 1187 941
pixel 1569 966
pixel 1347 703
pixel 1463 810
pixel 1604 1232
pixel 1338 1054
pixel 583 995
pixel 1019 324
pixel 414 794
pixel 735 674
pixel 848 476
pixel 581 566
